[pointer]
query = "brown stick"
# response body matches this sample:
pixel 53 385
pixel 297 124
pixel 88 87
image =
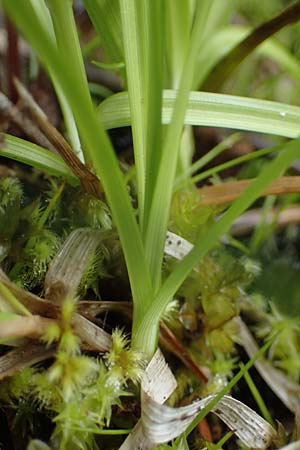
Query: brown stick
pixel 231 60
pixel 168 339
pixel 88 180
pixel 227 192
pixel 13 58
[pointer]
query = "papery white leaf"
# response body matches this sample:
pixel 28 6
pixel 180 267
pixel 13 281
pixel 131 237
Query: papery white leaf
pixel 176 246
pixel 66 269
pixel 285 389
pixel 293 446
pixel 162 423
pixel 157 369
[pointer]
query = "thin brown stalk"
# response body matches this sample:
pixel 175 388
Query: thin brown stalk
pixel 169 340
pixel 13 58
pixel 231 60
pixel 32 327
pixel 88 180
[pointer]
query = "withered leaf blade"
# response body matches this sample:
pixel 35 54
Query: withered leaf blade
pixel 157 368
pixel 32 302
pixel 91 334
pixel 22 357
pixel 66 269
pixel 11 112
pixel 160 423
pixel 285 389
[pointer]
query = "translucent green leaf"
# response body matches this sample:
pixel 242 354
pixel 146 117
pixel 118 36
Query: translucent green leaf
pixel 36 156
pixel 214 110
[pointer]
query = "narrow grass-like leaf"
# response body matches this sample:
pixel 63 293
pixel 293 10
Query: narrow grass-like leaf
pixel 97 145
pixel 233 162
pixel 43 15
pixel 258 398
pixel 159 214
pixel 8 302
pixel 214 110
pixel 105 15
pixel 6 316
pixel 155 11
pixel 205 243
pixel 208 157
pixel 35 156
pixel 178 25
pixel 67 40
pixel 136 81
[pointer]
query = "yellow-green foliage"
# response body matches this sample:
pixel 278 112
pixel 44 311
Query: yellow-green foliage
pixel 77 390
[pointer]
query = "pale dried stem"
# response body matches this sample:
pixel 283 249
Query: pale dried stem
pixel 251 219
pixel 12 113
pixel 286 390
pixel 221 194
pixel 32 327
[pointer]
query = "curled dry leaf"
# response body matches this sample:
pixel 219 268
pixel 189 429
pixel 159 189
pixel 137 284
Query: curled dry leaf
pixel 19 358
pixel 286 390
pixel 160 423
pixel 66 269
pixel 160 392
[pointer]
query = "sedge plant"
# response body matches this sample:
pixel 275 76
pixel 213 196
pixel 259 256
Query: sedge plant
pixel 132 33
